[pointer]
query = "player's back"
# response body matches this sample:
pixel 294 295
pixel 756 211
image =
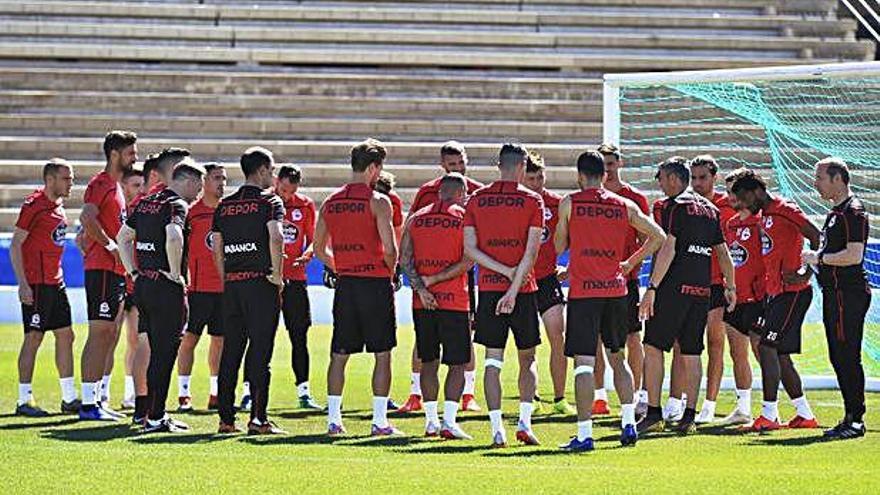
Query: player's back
pixel 437 234
pixel 357 247
pixel 598 234
pixel 241 218
pixel 502 214
pixel 693 221
pixel 783 243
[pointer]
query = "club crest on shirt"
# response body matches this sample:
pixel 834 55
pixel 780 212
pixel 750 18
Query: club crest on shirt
pixel 296 215
pixel 59 233
pixel 548 214
pixel 209 241
pixel 545 234
pixel 290 233
pixel 745 234
pixel 768 222
pixel 766 243
pixel 738 254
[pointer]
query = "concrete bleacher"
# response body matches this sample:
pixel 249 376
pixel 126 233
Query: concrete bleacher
pixel 309 78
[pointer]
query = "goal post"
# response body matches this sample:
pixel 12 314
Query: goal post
pixel 779 121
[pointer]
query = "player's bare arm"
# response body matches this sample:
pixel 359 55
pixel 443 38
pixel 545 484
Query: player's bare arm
pixel 560 237
pixel 725 262
pixel 383 211
pixel 276 250
pixel 25 293
pixel 125 239
pixel 174 252
pixel 662 262
pixel 649 232
pixel 408 265
pixel 450 272
pixel 88 217
pixel 322 244
pixel 508 301
pixel 217 251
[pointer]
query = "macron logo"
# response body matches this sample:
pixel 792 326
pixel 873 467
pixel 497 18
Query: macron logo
pixel 245 247
pixel 702 250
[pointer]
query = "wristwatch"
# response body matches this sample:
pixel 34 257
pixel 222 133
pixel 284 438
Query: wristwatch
pixel 651 286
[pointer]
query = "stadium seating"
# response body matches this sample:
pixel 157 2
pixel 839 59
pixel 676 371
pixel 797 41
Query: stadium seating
pixel 309 78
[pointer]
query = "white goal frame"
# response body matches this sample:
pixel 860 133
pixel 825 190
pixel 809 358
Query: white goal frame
pixel 611 122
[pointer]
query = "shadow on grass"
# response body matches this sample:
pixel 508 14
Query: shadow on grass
pixel 179 438
pixel 524 452
pixel 103 433
pixel 293 439
pixel 768 441
pixel 436 447
pixel 41 423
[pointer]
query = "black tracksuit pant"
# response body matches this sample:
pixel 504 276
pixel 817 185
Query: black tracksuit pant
pixel 843 312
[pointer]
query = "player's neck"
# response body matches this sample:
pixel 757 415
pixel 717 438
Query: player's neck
pixel 211 201
pixel 52 197
pixel 613 183
pixel 114 172
pixel 357 178
pixel 508 176
pixel 841 196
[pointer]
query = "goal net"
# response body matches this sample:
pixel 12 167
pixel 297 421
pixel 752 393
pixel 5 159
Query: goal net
pixel 780 121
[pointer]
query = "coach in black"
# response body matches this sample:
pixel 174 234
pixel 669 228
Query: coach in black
pixel 846 294
pixel 153 239
pixel 680 282
pixel 248 247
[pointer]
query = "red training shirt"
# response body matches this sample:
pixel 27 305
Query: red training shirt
pixel 437 234
pixel 545 264
pixel 632 238
pixel 354 238
pixel 783 243
pixel 46 225
pixel 203 275
pixel 743 238
pixel 299 231
pixel 429 192
pixel 106 194
pixel 598 239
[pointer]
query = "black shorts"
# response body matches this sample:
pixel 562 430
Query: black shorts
pixel 747 318
pixel 295 305
pixel 492 329
pixel 443 328
pixel 50 310
pixel 205 309
pixel 164 313
pixel 128 302
pixel 633 323
pixel 549 293
pixel 716 297
pixel 363 316
pixel 589 318
pixel 677 318
pixel 785 317
pixel 105 291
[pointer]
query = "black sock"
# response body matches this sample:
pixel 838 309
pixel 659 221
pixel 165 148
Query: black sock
pixel 557 399
pixel 140 406
pixel 689 415
pixel 654 413
pixel 537 399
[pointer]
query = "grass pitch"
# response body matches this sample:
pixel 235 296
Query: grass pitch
pixel 58 453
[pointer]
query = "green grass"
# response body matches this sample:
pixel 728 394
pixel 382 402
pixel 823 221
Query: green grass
pixel 39 456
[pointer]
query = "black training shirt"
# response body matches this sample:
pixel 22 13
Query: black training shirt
pixel 845 223
pixel 149 219
pixel 694 222
pixel 241 219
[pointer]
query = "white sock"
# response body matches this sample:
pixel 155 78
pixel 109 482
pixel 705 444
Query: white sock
pixel 495 421
pixel 415 384
pixel 470 382
pixel 431 416
pixel 600 394
pixel 128 394
pixel 642 396
pixel 105 388
pixel 183 386
pixel 803 407
pixel 25 393
pixel 302 390
pixel 744 400
pixel 68 389
pixel 770 410
pixel 627 414
pixel 450 409
pixel 334 409
pixel 380 411
pixel 88 393
pixel 525 413
pixel 214 385
pixel 673 404
pixel 709 407
pixel 246 388
pixel 585 430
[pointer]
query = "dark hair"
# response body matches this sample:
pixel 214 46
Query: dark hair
pixel 591 164
pixel 212 166
pixel 150 164
pixel 452 181
pixel 255 158
pixel 169 157
pixel 366 153
pixel 677 166
pixel 290 172
pixel 511 155
pixel 707 161
pixel 451 148
pixel 118 141
pixel 608 149
pixel 53 166
pixel 187 168
pixel 132 172
pixel 534 162
pixel 736 174
pixel 835 166
pixel 748 180
pixel 385 182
